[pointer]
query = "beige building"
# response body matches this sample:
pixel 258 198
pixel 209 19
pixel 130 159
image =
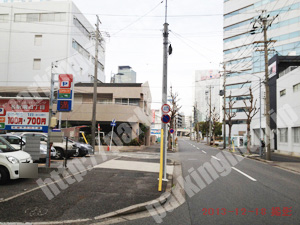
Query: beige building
pixel 128 104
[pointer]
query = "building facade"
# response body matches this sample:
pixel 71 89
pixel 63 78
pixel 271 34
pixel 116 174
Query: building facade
pixel 125 75
pixel 36 34
pixel 242 51
pixel 207 82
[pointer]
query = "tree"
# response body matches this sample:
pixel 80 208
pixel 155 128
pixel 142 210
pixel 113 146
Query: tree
pixel 250 111
pixel 203 127
pixel 230 114
pixel 215 117
pixel 174 113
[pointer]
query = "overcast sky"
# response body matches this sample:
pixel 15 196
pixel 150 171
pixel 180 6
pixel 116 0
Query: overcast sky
pixel 135 29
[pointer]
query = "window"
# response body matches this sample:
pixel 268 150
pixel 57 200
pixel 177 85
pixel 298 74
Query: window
pixel 3 18
pixel 282 92
pixel 296 133
pixel 36 64
pixel 40 17
pixel 134 101
pixel 38 40
pixel 283 135
pixel 296 87
pixel 80 26
pixel 80 49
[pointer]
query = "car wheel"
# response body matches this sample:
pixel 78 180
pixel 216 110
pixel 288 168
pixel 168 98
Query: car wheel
pixel 59 153
pixel 76 154
pixel 4 175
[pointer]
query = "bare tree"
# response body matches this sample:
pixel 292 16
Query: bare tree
pixel 250 111
pixel 215 117
pixel 230 114
pixel 174 113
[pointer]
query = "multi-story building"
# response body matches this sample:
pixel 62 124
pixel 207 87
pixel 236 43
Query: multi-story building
pixel 125 75
pixel 207 82
pixel 242 51
pixel 35 34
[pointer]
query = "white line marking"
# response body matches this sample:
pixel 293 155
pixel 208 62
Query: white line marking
pixel 216 158
pixel 194 146
pixel 204 151
pixel 198 148
pixel 246 175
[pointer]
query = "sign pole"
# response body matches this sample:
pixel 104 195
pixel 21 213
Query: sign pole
pixel 99 141
pixel 112 133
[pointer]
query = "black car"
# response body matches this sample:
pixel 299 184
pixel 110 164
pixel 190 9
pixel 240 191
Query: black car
pixel 84 149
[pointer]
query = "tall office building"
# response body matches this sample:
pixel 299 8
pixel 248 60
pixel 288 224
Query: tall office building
pixel 35 34
pixel 242 52
pixel 207 82
pixel 125 75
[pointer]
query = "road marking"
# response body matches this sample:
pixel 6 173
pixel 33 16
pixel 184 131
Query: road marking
pixel 194 146
pixel 198 148
pixel 204 151
pixel 216 158
pixel 246 175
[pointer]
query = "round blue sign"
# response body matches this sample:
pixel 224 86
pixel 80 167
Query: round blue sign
pixel 166 118
pixel 171 130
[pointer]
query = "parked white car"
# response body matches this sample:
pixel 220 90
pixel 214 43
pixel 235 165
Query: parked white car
pixel 16 141
pixel 10 158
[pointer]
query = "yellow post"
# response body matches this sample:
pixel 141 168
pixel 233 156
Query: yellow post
pixel 161 159
pixel 233 146
pixel 84 137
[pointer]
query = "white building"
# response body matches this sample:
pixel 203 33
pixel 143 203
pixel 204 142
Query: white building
pixel 35 34
pixel 206 82
pixel 288 112
pixel 246 64
pixel 125 75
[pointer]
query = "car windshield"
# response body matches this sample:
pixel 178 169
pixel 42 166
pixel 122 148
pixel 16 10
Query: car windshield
pixel 5 146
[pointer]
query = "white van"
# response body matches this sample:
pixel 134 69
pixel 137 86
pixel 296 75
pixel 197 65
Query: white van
pixel 10 158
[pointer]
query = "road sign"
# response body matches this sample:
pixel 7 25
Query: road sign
pixel 165 108
pixel 24 114
pixel 166 118
pixel 171 130
pixel 64 105
pixel 113 123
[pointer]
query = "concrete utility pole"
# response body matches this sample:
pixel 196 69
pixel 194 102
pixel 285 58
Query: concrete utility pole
pixel 93 130
pixel 267 88
pixel 224 107
pixel 50 114
pixel 209 114
pixel 165 89
pixel 265 23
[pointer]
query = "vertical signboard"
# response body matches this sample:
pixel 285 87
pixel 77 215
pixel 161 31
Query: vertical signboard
pixel 65 94
pixel 24 114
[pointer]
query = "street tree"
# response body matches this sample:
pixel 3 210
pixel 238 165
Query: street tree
pixel 250 111
pixel 173 114
pixel 229 115
pixel 215 118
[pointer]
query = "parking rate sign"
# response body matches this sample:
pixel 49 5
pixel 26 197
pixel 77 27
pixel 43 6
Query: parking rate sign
pixel 65 93
pixel 24 114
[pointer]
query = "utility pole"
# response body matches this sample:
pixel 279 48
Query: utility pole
pixel 209 114
pixel 165 89
pixel 267 88
pixel 265 23
pixel 224 107
pixel 50 114
pixel 93 130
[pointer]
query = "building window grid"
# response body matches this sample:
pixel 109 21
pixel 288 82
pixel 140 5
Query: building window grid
pixel 4 18
pixel 296 135
pixel 82 28
pixel 283 135
pixel 296 87
pixel 40 17
pixel 80 49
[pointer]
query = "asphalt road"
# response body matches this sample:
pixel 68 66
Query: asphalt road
pixel 245 194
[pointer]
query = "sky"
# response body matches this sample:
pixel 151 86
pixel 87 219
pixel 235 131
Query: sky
pixel 135 39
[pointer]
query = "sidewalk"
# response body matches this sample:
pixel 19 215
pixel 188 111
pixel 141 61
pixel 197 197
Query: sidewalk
pixel 112 185
pixel 291 163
